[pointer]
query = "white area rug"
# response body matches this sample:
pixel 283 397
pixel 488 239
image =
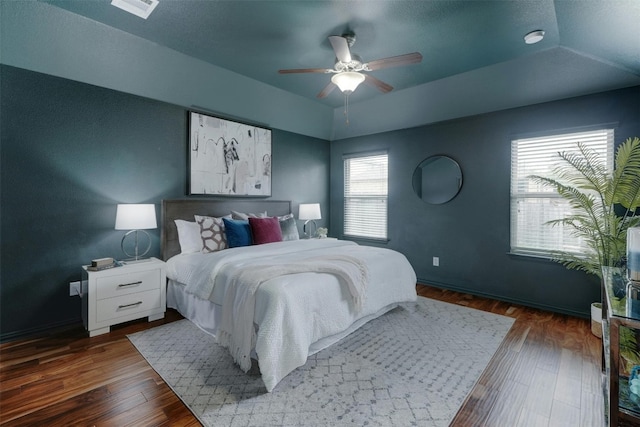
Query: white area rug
pixel 413 366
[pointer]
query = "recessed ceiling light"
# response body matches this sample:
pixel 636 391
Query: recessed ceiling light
pixel 141 8
pixel 534 37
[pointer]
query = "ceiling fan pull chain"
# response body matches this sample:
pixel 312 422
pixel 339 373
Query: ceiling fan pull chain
pixel 346 108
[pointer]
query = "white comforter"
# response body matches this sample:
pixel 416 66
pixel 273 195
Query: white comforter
pixel 296 313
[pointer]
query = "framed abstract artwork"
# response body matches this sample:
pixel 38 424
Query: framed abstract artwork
pixel 228 158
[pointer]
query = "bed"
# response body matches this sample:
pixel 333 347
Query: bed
pixel 276 302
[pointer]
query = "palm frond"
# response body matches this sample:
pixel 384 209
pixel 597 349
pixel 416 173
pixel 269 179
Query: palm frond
pixel 626 181
pixel 581 178
pixel 586 171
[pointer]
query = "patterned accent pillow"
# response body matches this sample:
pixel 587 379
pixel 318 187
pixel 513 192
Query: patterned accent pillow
pixel 289 228
pixel 238 232
pixel 188 236
pixel 212 233
pixel 265 230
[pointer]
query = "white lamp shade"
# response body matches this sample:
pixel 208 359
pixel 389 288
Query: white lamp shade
pixel 347 81
pixel 136 217
pixel 309 211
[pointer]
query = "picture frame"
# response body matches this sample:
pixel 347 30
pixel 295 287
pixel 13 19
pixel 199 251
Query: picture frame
pixel 228 158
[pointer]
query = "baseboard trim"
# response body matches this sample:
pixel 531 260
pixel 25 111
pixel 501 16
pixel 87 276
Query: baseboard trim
pixel 40 330
pixel 554 309
pixel 68 324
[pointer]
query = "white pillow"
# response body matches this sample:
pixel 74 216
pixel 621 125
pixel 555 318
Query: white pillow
pixel 287 216
pixel 188 236
pixel 244 216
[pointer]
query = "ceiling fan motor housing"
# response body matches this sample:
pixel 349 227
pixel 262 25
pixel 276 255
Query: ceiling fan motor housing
pixel 350 38
pixel 354 65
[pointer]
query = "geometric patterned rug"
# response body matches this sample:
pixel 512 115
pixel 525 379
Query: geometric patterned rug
pixel 412 366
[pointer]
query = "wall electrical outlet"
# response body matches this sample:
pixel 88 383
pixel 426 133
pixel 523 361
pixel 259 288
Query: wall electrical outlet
pixel 74 289
pixel 436 261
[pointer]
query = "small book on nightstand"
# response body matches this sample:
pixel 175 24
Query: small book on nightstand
pixel 103 264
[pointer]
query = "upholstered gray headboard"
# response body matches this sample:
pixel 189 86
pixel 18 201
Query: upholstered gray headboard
pixel 186 208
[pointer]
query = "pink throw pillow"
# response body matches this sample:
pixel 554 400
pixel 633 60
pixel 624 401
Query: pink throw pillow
pixel 265 230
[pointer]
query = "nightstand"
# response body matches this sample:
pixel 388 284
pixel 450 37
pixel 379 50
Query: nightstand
pixel 120 294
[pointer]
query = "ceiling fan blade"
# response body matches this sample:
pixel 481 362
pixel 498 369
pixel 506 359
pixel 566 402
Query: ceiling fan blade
pixel 378 84
pixel 304 70
pixel 327 90
pixel 341 48
pixel 394 61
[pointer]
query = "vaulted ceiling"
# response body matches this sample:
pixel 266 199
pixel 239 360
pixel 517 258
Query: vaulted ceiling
pixel 474 56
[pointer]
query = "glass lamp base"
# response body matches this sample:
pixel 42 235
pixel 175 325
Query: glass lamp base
pixel 137 255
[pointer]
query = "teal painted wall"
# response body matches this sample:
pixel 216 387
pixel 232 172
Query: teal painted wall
pixel 69 153
pixel 470 234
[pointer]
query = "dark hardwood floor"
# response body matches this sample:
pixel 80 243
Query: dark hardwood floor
pixel 546 373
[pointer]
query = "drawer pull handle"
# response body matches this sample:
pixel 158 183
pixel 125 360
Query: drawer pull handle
pixel 130 305
pixel 124 285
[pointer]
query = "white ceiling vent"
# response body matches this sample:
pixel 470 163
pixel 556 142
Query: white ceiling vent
pixel 141 8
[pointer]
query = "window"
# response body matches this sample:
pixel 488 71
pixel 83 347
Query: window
pixel 532 204
pixel 365 196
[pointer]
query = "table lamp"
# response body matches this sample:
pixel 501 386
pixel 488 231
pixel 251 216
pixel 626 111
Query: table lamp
pixel 309 212
pixel 136 218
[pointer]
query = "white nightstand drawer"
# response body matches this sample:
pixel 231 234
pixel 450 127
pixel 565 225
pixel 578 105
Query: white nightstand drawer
pixel 127 305
pixel 127 283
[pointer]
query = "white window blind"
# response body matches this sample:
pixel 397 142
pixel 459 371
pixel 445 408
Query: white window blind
pixel 365 196
pixel 533 204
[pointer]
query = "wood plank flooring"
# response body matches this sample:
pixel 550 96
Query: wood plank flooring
pixel 546 373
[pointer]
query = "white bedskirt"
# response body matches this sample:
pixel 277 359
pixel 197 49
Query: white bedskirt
pixel 203 313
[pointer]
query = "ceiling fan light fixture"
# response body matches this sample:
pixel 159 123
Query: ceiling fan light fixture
pixel 347 81
pixel 534 37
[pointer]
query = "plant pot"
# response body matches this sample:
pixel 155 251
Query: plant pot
pixel 596 319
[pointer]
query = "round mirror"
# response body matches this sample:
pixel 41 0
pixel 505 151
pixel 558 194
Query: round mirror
pixel 437 179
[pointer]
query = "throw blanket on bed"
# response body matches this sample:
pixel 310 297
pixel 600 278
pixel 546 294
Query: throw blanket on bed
pixel 236 329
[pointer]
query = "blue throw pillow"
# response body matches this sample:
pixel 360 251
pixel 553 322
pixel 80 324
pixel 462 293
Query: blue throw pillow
pixel 238 232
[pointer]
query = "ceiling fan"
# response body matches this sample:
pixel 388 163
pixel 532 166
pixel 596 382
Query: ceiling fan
pixel 348 68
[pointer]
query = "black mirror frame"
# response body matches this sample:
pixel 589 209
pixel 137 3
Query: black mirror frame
pixel 444 180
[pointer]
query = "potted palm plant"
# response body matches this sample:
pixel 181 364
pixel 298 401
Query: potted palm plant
pixel 603 204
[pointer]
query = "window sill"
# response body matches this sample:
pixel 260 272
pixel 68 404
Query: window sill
pixel 532 256
pixel 366 239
